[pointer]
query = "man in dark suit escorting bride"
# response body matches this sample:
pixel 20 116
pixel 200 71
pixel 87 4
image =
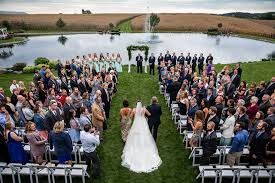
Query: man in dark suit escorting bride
pixel 154 119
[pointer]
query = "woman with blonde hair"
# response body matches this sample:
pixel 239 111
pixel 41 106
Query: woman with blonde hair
pixel 62 143
pixel 37 142
pixel 197 126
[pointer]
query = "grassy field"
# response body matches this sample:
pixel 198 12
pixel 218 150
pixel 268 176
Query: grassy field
pixel 176 166
pixel 14 39
pixel 176 22
pixel 202 22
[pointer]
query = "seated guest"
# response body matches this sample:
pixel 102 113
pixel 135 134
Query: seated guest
pixel 62 143
pixel 270 149
pixel 257 145
pixel 209 143
pixel 197 128
pixel 15 147
pixel 228 128
pixel 37 143
pixel 238 143
pixel 74 130
pixel 90 140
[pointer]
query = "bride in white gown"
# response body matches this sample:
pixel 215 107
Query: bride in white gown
pixel 140 153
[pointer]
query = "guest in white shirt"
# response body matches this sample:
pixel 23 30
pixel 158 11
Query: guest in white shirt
pixel 90 140
pixel 13 85
pixel 228 128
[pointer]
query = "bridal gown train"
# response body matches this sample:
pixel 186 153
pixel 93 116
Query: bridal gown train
pixel 140 153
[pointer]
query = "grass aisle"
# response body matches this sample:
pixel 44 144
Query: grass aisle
pixel 175 167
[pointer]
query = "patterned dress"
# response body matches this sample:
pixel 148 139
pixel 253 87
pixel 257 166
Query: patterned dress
pixel 125 123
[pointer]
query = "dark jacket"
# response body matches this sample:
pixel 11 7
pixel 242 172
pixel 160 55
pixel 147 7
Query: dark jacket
pixel 215 119
pixel 61 142
pixel 51 119
pixel 209 143
pixel 66 109
pixel 156 112
pixel 258 145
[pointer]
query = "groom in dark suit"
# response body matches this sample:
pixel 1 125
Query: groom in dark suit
pixel 154 119
pixel 139 60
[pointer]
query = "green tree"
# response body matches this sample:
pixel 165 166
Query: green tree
pixel 60 23
pixel 6 24
pixel 154 21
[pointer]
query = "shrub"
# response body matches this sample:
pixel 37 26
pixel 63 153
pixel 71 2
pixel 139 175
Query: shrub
pixel 212 30
pixel 18 66
pixel 6 23
pixel 53 64
pixel 29 69
pixel 41 60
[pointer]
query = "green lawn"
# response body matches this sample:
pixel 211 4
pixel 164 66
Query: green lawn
pixel 14 39
pixel 125 26
pixel 254 71
pixel 176 166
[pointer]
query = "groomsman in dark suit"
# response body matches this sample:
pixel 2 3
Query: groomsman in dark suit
pixel 188 59
pixel 194 63
pixel 160 59
pixel 154 119
pixel 167 57
pixel 209 59
pixel 139 60
pixel 152 60
pixel 181 59
pixel 200 63
pixel 174 59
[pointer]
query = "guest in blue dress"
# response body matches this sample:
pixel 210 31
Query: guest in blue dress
pixel 62 143
pixel 16 151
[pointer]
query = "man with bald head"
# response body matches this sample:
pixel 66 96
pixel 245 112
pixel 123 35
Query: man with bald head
pixel 68 105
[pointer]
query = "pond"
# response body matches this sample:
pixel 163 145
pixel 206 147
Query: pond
pixel 223 48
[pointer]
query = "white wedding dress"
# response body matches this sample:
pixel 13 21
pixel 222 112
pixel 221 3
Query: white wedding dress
pixel 140 153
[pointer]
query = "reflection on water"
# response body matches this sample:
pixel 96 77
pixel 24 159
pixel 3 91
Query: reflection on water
pixel 6 52
pixel 224 49
pixel 62 40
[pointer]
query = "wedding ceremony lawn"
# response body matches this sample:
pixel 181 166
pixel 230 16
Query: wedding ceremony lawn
pixel 176 167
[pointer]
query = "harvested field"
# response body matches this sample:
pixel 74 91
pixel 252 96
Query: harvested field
pixel 202 22
pixel 74 22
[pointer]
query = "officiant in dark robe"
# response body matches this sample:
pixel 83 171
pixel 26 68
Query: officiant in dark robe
pixel 139 60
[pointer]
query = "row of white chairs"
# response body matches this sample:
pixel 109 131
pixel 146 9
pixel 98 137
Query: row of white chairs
pixel 236 173
pixel 36 172
pixel 77 153
pixel 220 154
